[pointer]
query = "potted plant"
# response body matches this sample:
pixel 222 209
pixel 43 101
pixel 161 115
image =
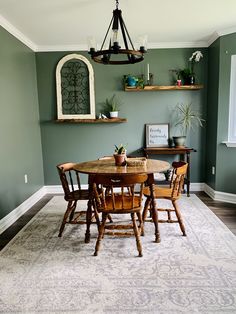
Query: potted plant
pixel 120 155
pixel 112 106
pixel 186 119
pixel 130 80
pixel 178 76
pixel 188 74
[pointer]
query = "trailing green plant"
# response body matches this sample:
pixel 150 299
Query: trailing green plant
pixel 120 149
pixel 187 118
pixel 112 104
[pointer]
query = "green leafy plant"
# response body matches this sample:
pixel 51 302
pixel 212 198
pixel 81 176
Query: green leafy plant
pixel 185 73
pixel 187 118
pixel 177 73
pixel 120 149
pixel 112 104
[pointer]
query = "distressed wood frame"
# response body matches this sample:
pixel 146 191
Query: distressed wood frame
pixel 60 64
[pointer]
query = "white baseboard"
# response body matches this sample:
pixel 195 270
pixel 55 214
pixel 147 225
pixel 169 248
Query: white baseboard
pixel 195 187
pixel 8 220
pixel 57 189
pixel 220 196
pixel 16 213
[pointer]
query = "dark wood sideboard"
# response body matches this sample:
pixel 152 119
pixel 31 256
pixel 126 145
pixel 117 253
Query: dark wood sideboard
pixel 183 152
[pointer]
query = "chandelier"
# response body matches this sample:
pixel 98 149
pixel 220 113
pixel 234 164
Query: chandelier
pixel 111 51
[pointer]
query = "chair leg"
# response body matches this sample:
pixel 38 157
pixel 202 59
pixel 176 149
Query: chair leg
pixel 72 211
pixel 154 212
pixel 179 217
pixel 96 214
pixel 145 211
pixel 70 208
pixel 141 226
pixel 110 218
pixel 136 232
pixel 88 221
pixel 100 234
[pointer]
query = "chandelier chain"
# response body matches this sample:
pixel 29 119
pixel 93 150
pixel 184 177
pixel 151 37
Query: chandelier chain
pixel 117 4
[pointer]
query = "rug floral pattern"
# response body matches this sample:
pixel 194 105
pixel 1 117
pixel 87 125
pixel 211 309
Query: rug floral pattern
pixel 41 273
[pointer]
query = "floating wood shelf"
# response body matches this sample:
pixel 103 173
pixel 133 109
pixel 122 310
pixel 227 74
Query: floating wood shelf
pixel 114 120
pixel 162 88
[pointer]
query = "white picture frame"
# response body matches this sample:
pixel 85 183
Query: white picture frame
pixel 157 135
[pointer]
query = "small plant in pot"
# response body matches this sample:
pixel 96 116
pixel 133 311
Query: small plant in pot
pixel 120 155
pixel 186 119
pixel 112 106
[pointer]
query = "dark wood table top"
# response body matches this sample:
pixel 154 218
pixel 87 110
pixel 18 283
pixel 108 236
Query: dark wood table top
pixel 168 150
pixel 108 167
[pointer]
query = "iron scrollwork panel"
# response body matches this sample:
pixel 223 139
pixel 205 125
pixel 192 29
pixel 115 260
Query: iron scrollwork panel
pixel 75 88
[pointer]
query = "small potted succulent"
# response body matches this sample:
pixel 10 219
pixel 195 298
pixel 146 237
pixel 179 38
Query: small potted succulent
pixel 112 106
pixel 120 155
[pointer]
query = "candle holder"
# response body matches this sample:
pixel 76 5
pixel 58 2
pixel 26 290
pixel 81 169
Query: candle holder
pixel 150 81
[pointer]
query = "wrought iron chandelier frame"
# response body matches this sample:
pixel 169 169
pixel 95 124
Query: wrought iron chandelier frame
pixel 104 55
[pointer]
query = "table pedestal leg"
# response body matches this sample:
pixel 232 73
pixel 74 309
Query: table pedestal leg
pixel 89 209
pixel 88 221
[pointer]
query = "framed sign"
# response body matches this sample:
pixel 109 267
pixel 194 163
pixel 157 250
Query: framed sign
pixel 157 135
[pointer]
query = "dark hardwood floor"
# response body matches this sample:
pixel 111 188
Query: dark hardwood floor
pixel 224 211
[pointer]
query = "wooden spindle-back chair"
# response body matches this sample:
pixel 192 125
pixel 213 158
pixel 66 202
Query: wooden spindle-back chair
pixel 124 197
pixel 73 193
pixel 171 193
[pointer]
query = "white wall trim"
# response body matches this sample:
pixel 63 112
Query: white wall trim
pixel 8 220
pixel 229 143
pixel 161 45
pixel 220 196
pixel 16 33
pixel 227 31
pixel 213 38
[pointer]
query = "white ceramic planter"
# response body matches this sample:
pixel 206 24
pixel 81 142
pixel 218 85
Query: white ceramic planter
pixel 114 114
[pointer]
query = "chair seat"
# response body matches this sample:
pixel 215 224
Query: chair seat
pixel 122 208
pixel 77 195
pixel 160 192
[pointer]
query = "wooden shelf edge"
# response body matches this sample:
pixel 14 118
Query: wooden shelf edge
pixel 162 88
pixel 115 120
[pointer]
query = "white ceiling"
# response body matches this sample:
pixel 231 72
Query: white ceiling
pixel 46 25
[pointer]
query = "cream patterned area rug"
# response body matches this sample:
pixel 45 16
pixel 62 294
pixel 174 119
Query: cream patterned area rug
pixel 41 273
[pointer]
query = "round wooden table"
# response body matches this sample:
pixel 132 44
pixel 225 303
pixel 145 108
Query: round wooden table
pixel 107 166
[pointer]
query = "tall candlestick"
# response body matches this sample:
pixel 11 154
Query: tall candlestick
pixel 148 72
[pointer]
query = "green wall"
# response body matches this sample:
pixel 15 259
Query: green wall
pixel 82 142
pixel 28 107
pixel 226 157
pixel 212 110
pixel 20 141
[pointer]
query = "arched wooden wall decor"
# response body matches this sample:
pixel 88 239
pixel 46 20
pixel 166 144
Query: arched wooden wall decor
pixel 75 88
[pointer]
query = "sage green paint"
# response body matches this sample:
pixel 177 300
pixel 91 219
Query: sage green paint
pixel 82 142
pixel 226 157
pixel 20 140
pixel 212 110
